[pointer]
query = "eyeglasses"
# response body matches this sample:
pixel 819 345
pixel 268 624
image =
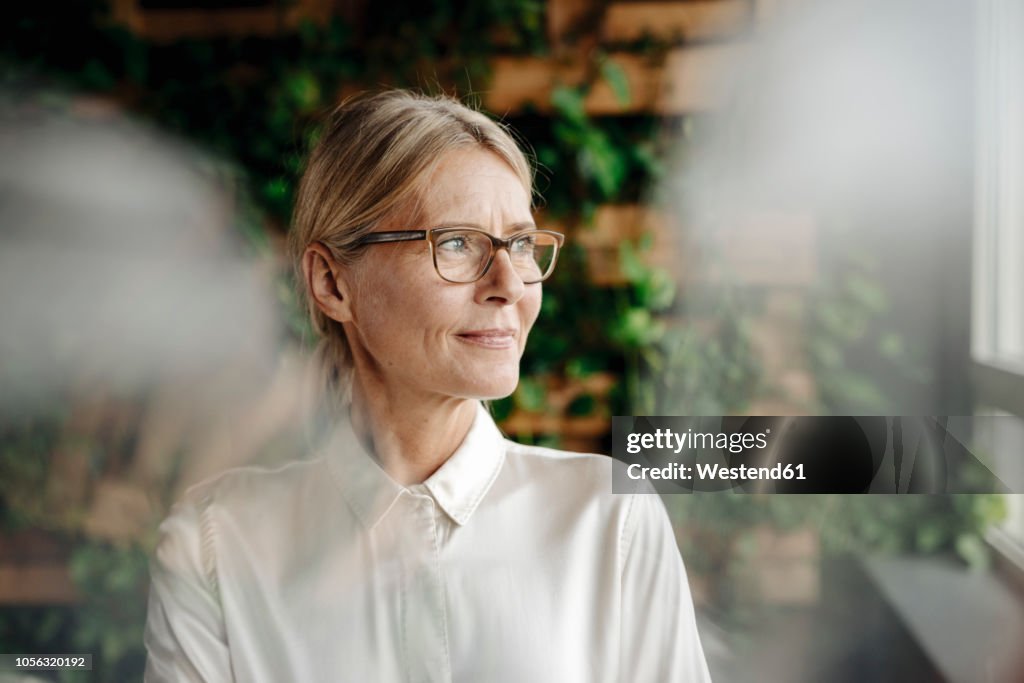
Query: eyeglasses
pixel 463 255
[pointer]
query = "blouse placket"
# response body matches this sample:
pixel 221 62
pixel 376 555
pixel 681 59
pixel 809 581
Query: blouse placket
pixel 424 631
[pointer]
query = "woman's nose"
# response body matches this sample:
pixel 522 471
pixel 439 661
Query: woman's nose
pixel 502 281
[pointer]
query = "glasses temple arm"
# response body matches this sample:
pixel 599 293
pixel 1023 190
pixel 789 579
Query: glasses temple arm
pixel 396 236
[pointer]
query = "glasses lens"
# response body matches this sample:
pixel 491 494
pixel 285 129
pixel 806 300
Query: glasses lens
pixel 461 255
pixel 533 255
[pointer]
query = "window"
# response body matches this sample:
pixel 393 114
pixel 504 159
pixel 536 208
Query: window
pixel 997 339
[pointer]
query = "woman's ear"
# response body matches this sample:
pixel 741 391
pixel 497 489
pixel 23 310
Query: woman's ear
pixel 327 283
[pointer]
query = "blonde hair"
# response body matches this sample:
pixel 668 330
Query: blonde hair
pixel 373 154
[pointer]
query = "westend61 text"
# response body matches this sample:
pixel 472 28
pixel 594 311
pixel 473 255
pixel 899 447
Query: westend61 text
pixel 708 472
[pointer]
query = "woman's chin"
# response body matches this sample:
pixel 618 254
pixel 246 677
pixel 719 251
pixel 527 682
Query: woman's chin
pixel 495 387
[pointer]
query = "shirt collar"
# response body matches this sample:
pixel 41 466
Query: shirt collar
pixel 457 486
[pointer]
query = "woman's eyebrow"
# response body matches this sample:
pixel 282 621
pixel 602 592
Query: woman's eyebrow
pixel 512 227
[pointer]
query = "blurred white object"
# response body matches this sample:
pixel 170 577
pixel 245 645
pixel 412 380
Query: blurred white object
pixel 118 262
pixel 847 140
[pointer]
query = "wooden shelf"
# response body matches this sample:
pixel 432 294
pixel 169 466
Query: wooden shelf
pixel 579 433
pixel 33 570
pixel 36 584
pixel 584 427
pixel 689 79
pixel 614 224
pixel 622 22
pixel 664 20
pixel 701 20
pixel 166 25
pixel 763 249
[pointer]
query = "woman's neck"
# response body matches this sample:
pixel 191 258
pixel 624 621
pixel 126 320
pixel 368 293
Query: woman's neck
pixel 410 436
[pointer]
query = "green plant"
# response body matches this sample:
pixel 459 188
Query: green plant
pixel 847 333
pixel 109 622
pixel 585 162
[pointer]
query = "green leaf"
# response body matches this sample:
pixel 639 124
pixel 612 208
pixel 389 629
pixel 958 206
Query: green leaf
pixel 867 292
pixel 303 89
pixel 630 262
pixel 636 329
pixel 929 538
pixel 615 76
pixel 531 395
pixel 276 189
pixel 584 366
pixel 973 551
pixel 501 408
pixel 891 346
pixel 657 290
pixel 568 102
pixel 826 354
pixel 599 161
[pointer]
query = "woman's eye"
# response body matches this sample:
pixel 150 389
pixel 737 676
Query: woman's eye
pixel 453 243
pixel 523 244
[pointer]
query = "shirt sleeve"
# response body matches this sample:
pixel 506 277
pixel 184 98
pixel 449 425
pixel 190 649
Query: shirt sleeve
pixel 185 635
pixel 659 630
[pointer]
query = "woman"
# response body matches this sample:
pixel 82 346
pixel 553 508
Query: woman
pixel 420 545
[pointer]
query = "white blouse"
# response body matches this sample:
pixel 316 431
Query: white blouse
pixel 510 563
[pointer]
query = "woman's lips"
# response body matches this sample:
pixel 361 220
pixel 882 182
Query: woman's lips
pixel 491 339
